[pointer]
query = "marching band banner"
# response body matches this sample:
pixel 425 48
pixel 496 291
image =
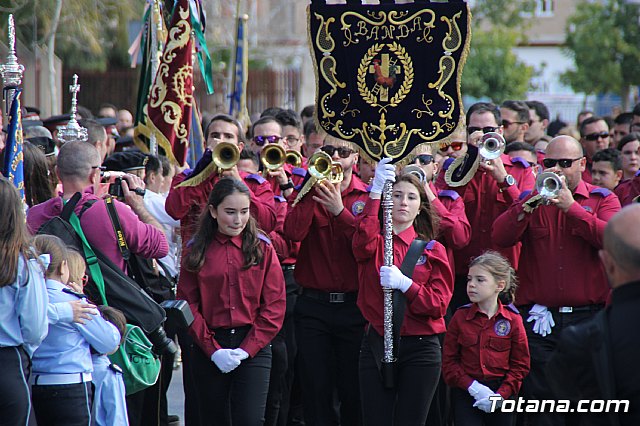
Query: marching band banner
pixel 388 75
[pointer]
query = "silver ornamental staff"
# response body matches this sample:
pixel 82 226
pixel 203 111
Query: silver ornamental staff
pixel 388 359
pixel 73 131
pixel 11 71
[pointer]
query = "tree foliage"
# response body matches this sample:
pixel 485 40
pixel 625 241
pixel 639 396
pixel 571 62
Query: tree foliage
pixel 90 35
pixel 603 38
pixel 492 69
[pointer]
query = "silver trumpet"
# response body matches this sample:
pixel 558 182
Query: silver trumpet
pixel 548 185
pixel 491 146
pixel 414 169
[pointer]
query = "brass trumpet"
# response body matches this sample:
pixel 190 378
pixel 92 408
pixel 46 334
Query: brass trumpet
pixel 294 158
pixel 273 157
pixel 225 155
pixel 491 146
pixel 321 167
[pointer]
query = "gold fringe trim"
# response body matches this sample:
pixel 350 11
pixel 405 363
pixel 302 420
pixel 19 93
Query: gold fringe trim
pixel 200 177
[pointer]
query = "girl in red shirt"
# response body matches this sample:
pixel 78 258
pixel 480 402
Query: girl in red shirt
pixel 486 354
pixel 427 295
pixel 233 282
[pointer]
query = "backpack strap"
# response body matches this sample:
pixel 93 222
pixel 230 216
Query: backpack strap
pixel 70 206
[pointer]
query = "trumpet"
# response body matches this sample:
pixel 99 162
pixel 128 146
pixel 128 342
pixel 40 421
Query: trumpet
pixel 273 157
pixel 293 157
pixel 321 167
pixel 414 169
pixel 225 155
pixel 491 146
pixel 548 185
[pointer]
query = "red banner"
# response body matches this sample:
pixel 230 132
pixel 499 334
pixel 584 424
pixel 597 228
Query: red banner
pixel 168 111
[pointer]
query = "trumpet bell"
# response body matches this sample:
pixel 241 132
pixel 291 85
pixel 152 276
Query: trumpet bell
pixel 548 185
pixel 272 156
pixel 225 155
pixel 320 165
pixel 337 173
pixel 294 158
pixel 491 145
pixel 414 169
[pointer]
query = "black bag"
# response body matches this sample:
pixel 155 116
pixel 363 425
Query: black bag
pixel 120 290
pixel 142 271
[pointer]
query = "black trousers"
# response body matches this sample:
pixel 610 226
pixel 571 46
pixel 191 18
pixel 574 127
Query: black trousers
pixel 15 396
pixel 237 398
pixel 417 374
pixel 63 405
pixel 535 385
pixel 191 396
pixel 329 336
pixel 279 366
pixel 465 414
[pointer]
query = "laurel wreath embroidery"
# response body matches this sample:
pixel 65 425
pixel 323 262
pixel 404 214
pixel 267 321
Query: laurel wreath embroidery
pixel 407 82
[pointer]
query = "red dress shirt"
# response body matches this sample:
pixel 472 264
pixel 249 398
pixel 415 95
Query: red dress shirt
pixel 628 190
pixel 143 239
pixel 480 348
pixel 224 295
pixel 432 287
pixel 484 201
pixel 325 260
pixel 186 203
pixel 559 265
pixel 454 231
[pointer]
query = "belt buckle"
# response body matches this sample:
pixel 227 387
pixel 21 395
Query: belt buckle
pixel 232 331
pixel 565 309
pixel 336 297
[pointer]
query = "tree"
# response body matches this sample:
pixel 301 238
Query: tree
pixel 492 69
pixel 603 38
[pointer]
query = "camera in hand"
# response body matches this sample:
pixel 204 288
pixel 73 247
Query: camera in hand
pixel 115 189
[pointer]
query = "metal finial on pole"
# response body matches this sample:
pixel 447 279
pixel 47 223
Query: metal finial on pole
pixel 73 131
pixel 11 71
pixel 388 358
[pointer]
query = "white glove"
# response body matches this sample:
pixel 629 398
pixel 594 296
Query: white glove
pixel 239 353
pixel 384 172
pixel 543 320
pixel 391 277
pixel 485 404
pixel 225 360
pixel 479 391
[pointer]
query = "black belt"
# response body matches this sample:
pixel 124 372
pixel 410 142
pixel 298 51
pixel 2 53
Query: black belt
pixel 325 296
pixel 569 309
pixel 288 267
pixel 220 332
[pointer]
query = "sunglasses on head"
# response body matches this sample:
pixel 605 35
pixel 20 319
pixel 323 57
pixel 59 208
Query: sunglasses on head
pixel 565 163
pixel 342 151
pixel 425 159
pixel 261 140
pixel 487 129
pixel 596 136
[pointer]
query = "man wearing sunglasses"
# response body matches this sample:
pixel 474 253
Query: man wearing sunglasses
pixel 562 281
pixel 515 120
pixel 594 136
pixel 491 190
pixel 328 323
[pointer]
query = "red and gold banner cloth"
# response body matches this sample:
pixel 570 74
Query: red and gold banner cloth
pixel 167 114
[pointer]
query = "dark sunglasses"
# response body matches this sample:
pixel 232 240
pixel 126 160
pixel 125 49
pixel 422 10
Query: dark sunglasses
pixel 507 123
pixel 425 159
pixel 342 151
pixel 261 140
pixel 596 136
pixel 565 163
pixel 487 129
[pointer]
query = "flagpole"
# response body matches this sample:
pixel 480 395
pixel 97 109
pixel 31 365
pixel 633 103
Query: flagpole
pixel 233 68
pixel 156 28
pixel 12 71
